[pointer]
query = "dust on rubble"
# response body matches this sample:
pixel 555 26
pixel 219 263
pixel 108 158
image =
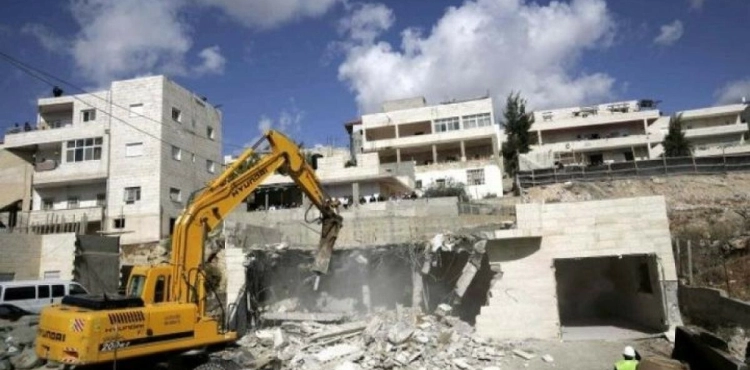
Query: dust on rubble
pixel 407 338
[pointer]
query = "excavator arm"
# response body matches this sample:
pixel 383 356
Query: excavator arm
pixel 230 189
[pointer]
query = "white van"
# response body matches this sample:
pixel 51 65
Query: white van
pixel 33 295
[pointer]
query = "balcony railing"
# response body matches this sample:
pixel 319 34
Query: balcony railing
pixel 738 128
pixel 600 144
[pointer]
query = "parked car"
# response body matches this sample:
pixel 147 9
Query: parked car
pixel 33 295
pixel 12 313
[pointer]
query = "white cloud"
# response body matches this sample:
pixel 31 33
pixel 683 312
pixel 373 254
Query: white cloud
pixel 366 22
pixel 670 33
pixel 288 121
pixel 213 61
pixel 46 37
pixel 270 13
pixel 696 4
pixel 480 46
pixel 733 92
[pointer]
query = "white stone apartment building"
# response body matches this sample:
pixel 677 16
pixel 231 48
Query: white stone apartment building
pixel 449 142
pixel 715 130
pixel 605 133
pixel 126 159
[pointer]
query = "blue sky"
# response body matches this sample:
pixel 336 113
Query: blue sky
pixel 307 66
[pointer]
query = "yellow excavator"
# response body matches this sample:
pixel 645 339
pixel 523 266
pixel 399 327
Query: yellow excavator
pixel 164 309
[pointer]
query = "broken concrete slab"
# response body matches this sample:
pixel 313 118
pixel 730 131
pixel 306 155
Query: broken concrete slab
pixel 523 354
pixel 344 329
pixel 26 360
pixel 400 333
pixel 337 352
pixel 323 317
pixel 548 358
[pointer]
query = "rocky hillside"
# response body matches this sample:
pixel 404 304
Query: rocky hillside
pixel 713 212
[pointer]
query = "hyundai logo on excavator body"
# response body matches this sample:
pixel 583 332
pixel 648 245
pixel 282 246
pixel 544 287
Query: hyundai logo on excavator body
pixel 246 184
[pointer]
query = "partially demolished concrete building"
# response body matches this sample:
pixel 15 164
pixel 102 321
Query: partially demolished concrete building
pixel 587 270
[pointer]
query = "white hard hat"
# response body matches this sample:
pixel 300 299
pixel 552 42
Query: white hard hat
pixel 629 351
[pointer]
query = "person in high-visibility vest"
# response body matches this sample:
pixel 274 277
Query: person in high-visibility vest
pixel 629 360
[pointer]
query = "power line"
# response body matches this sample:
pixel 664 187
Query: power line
pixel 36 72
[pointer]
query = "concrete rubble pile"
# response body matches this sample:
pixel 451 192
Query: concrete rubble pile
pixel 401 338
pixel 17 344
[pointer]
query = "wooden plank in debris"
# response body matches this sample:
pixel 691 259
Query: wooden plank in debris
pixel 344 329
pixel 304 316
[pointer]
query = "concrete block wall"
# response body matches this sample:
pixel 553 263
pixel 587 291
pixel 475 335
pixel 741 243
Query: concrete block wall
pixel 30 255
pixel 523 302
pixel 713 306
pixel 20 255
pixel 57 254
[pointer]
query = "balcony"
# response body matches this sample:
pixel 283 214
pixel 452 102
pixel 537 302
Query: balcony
pixel 595 120
pixel 735 129
pixel 65 215
pixel 19 137
pixel 435 138
pixel 52 172
pixel 600 144
pixel 709 151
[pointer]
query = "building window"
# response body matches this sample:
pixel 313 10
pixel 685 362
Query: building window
pixel 54 274
pixel 72 202
pixel 418 184
pixel 176 115
pixel 84 150
pixel 475 177
pixel 133 149
pixel 101 199
pixel 136 110
pixel 48 204
pixel 447 124
pixel 644 283
pixel 210 166
pixel 477 120
pixel 210 132
pixel 88 115
pixel 193 157
pixel 176 153
pixel 440 183
pixel 119 223
pixel 132 194
pixel 175 195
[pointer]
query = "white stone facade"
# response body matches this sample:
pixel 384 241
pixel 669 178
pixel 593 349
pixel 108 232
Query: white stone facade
pixel 715 130
pixel 146 133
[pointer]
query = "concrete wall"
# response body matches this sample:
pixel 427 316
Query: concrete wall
pixel 15 175
pixel 30 255
pixel 493 177
pixel 523 302
pixel 713 306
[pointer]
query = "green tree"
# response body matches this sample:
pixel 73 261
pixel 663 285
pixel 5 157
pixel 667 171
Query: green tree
pixel 517 124
pixel 675 143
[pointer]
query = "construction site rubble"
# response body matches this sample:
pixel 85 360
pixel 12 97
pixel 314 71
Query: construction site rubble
pixel 17 344
pixel 401 338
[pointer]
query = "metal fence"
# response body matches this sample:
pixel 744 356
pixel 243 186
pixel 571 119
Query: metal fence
pixel 634 169
pixel 53 224
pixel 507 212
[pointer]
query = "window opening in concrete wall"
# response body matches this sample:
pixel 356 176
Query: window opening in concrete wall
pixel 193 156
pixel 601 297
pixel 477 120
pixel 136 110
pixel 176 153
pixel 118 223
pixel 84 150
pixel 210 132
pixel 418 184
pixel 475 176
pixel 101 199
pixel 447 124
pixel 210 166
pixel 440 183
pixel 176 114
pixel 132 194
pixel 54 274
pixel 72 202
pixel 48 204
pixel 175 195
pixel 133 149
pixel 88 115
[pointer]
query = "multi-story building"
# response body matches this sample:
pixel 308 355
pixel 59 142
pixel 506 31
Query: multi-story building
pixel 450 142
pixel 605 133
pixel 715 130
pixel 126 159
